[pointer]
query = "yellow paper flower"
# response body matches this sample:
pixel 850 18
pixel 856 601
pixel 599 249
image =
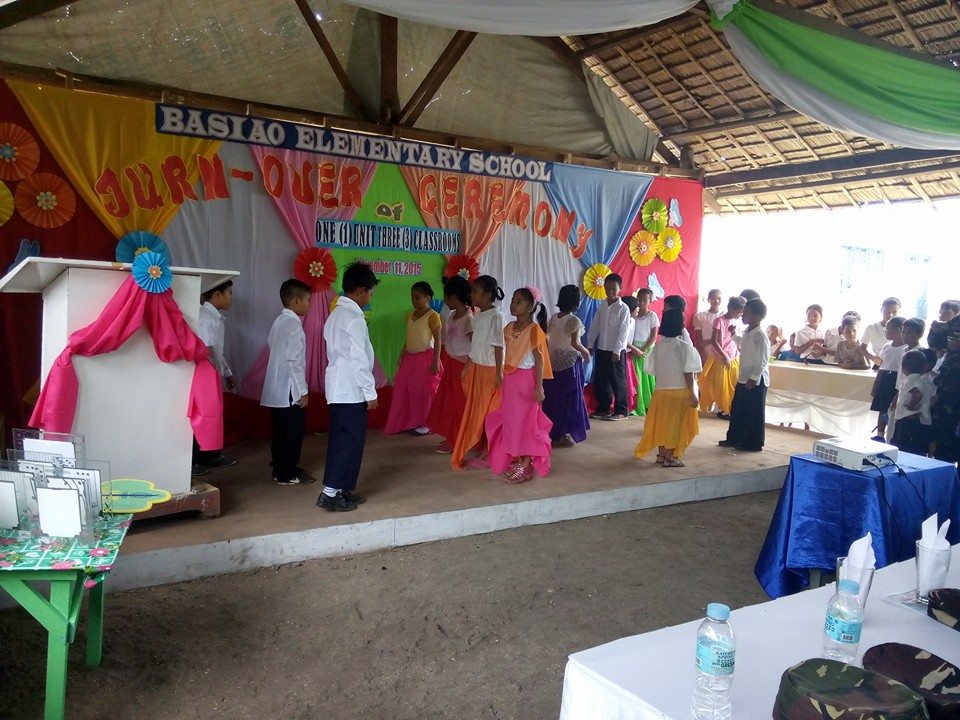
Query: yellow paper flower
pixel 643 247
pixel 669 245
pixel 6 203
pixel 593 280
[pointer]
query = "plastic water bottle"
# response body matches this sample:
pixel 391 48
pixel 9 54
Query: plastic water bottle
pixel 841 630
pixel 716 655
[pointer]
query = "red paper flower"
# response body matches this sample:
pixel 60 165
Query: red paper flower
pixel 315 267
pixel 464 266
pixel 45 200
pixel 19 152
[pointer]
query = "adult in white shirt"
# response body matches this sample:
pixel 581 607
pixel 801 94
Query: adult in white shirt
pixel 609 331
pixel 748 411
pixel 350 387
pixel 285 389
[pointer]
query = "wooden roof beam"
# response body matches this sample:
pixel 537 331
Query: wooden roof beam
pixel 868 178
pixel 389 95
pixel 21 10
pixel 434 79
pixel 353 97
pixel 699 11
pixel 819 167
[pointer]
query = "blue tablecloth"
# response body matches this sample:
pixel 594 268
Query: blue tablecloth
pixel 823 508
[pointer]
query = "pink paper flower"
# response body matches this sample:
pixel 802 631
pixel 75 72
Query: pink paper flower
pixel 64 565
pixel 99 552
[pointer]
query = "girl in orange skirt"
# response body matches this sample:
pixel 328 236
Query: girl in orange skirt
pixel 671 422
pixel 449 402
pixel 518 431
pixel 721 370
pixel 418 374
pixel 483 373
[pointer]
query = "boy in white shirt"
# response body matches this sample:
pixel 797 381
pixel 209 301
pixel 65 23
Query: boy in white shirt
pixel 913 420
pixel 703 323
pixel 285 389
pixel 875 335
pixel 216 300
pixel 350 387
pixel 748 411
pixel 609 331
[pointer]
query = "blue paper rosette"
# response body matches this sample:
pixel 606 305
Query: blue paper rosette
pixel 135 243
pixel 151 271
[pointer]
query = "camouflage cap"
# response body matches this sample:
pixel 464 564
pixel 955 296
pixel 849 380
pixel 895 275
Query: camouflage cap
pixel 817 689
pixel 944 605
pixel 931 677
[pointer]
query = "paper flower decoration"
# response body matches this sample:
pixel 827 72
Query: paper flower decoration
pixel 151 271
pixel 6 203
pixel 134 244
pixel 28 248
pixel 464 266
pixel 654 215
pixel 19 152
pixel 643 247
pixel 653 282
pixel 593 281
pixel 316 267
pixel 45 200
pixel 669 245
pixel 437 305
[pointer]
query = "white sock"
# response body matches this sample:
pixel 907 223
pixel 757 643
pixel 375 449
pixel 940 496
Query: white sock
pixel 329 491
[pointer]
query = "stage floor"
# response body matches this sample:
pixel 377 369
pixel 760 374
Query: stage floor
pixel 403 477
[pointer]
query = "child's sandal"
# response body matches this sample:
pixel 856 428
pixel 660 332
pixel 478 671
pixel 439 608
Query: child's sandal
pixel 673 462
pixel 660 459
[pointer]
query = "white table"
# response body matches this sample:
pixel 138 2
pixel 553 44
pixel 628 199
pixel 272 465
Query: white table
pixel 829 399
pixel 652 675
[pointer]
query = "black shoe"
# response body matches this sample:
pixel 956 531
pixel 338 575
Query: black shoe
pixel 197 470
pixel 599 415
pixel 337 503
pixel 222 461
pixel 722 416
pixel 353 497
pixel 727 443
pixel 296 480
pixel 615 417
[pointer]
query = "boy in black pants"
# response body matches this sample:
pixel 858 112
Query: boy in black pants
pixel 609 330
pixel 748 411
pixel 350 388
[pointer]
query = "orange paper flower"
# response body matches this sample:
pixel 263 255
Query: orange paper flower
pixel 45 200
pixel 315 267
pixel 643 247
pixel 6 203
pixel 19 152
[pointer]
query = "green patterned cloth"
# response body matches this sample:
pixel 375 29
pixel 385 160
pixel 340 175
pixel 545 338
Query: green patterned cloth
pixel 94 551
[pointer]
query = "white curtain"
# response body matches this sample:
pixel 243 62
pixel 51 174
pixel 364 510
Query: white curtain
pixel 824 108
pixel 532 17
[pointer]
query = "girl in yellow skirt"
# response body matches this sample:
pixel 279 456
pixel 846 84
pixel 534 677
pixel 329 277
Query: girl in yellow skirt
pixel 721 370
pixel 671 423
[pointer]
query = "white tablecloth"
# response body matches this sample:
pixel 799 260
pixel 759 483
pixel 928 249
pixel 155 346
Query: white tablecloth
pixel 652 675
pixel 830 400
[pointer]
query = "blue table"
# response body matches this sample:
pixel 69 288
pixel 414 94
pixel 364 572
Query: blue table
pixel 823 508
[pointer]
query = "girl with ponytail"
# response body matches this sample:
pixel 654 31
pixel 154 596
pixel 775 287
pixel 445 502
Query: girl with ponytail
pixel 518 432
pixel 482 374
pixel 564 404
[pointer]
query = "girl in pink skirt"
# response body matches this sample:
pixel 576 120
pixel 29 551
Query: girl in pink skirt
pixel 518 432
pixel 418 374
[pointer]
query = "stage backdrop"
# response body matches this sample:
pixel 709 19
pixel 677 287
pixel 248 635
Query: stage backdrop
pixel 89 176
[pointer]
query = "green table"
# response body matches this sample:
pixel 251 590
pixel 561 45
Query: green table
pixel 70 565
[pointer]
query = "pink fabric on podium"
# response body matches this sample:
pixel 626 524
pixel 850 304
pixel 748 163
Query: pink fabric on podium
pixel 519 426
pixel 127 311
pixel 414 388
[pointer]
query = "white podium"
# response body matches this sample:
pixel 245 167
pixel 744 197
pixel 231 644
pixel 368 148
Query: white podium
pixel 132 407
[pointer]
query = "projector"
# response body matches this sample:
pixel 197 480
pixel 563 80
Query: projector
pixel 854 453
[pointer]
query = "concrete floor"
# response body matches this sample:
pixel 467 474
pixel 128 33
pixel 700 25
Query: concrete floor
pixel 403 477
pixel 471 628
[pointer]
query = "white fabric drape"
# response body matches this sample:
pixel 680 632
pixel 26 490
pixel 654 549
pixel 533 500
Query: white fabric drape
pixel 825 108
pixel 532 17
